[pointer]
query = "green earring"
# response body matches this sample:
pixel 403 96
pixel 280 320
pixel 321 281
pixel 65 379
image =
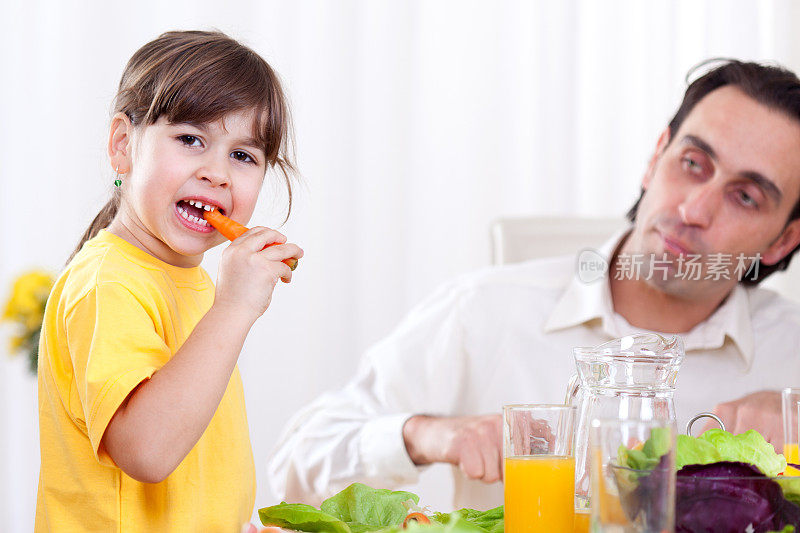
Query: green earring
pixel 117 182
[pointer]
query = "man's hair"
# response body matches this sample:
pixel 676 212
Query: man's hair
pixel 770 85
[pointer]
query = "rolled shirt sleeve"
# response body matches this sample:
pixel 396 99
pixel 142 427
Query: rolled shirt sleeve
pixel 355 434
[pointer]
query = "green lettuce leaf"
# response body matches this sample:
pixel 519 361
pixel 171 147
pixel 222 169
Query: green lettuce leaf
pixel 648 457
pixel 712 446
pixel 491 520
pixel 748 447
pixel 694 451
pixel 363 508
pixel 301 517
pixel 717 445
pixel 658 443
pixel 451 523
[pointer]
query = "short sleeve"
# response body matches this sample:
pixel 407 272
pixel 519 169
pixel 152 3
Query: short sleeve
pixel 114 346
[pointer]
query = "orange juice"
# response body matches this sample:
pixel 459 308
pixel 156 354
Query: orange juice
pixel 790 451
pixel 582 521
pixel 539 493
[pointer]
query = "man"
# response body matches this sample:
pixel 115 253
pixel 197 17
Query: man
pixel 723 182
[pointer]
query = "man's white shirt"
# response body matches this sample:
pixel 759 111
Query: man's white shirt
pixel 505 335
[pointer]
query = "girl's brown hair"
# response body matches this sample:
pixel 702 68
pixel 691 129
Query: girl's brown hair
pixel 198 77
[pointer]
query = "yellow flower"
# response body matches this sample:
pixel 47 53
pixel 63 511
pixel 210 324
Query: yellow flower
pixel 28 296
pixel 26 304
pixel 25 307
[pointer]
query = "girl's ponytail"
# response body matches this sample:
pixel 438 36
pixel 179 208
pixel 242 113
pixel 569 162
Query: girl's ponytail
pixel 101 221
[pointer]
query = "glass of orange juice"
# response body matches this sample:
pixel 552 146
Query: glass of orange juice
pixel 633 475
pixel 539 467
pixel 789 398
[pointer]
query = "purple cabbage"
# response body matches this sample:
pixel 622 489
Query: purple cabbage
pixel 726 496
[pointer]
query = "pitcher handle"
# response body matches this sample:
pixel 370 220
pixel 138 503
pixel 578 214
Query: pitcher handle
pixel 572 389
pixel 703 415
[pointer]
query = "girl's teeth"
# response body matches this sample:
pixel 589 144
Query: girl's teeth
pixel 197 220
pixel 199 204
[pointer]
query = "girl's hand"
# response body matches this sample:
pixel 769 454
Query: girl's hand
pixel 248 273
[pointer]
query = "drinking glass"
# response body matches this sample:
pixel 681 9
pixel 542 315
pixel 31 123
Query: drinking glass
pixel 633 475
pixel 789 398
pixel 539 467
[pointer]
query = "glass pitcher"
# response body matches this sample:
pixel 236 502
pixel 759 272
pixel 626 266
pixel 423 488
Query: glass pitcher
pixel 629 377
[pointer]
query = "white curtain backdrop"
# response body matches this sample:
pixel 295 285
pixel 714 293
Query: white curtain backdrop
pixel 417 123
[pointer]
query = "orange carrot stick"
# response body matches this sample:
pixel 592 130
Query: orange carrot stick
pixel 231 230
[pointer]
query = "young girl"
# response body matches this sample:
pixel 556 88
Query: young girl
pixel 141 410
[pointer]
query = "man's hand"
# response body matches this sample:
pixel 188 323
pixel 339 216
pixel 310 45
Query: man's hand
pixel 473 443
pixel 760 411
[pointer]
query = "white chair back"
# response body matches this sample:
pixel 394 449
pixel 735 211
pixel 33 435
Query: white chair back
pixel 522 238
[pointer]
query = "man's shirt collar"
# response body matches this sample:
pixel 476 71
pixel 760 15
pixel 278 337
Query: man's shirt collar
pixel 583 302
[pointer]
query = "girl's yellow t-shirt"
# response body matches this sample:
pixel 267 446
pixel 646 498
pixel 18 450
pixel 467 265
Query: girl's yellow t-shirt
pixel 114 317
